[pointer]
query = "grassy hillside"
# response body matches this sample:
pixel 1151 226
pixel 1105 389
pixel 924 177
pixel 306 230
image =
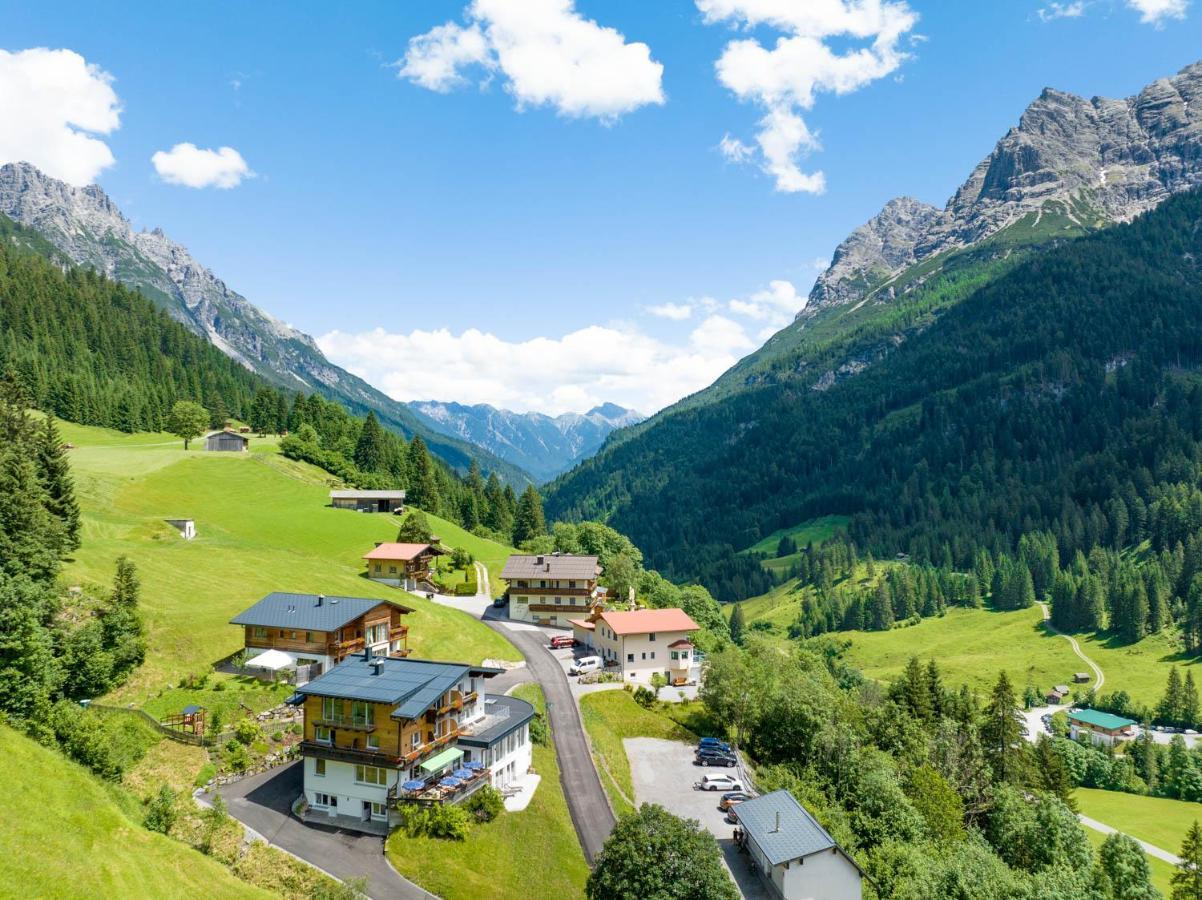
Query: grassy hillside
pixel 76 840
pixel 1158 820
pixel 1161 871
pixel 492 554
pixel 263 525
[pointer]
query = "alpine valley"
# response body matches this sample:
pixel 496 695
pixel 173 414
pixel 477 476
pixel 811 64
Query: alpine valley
pixel 940 380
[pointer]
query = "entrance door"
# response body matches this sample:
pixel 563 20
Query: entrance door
pixel 365 814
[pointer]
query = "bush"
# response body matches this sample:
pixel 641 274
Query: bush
pixel 296 728
pixel 240 759
pixel 206 773
pixel 450 822
pixel 160 812
pixel 486 804
pixel 644 697
pixel 277 736
pixel 539 733
pixel 246 731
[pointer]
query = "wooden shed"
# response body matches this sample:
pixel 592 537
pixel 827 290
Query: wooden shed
pixel 229 441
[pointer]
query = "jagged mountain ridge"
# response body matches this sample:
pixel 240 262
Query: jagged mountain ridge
pixel 1095 162
pixel 88 228
pixel 540 444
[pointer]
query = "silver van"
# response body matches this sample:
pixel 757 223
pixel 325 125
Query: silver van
pixel 585 665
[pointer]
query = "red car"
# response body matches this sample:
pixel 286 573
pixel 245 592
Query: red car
pixel 562 640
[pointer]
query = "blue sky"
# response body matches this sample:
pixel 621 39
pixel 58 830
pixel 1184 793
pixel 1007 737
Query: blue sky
pixel 550 232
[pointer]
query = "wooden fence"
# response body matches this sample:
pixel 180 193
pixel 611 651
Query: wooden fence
pixel 182 737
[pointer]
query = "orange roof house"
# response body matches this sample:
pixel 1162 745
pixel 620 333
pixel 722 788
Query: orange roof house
pixel 641 642
pixel 406 565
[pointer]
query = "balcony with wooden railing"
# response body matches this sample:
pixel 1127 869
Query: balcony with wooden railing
pixel 357 755
pixel 341 649
pixel 426 749
pixel 352 723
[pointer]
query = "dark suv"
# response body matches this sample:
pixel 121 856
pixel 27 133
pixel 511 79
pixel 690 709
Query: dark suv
pixel 712 756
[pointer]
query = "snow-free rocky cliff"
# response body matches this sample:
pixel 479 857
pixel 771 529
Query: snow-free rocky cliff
pixel 1089 162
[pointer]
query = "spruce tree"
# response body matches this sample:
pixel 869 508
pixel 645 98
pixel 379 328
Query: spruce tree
pixel 423 491
pixel 1170 707
pixel 1187 880
pixel 528 521
pixel 1189 701
pixel 55 474
pixel 1002 731
pixel 371 451
pixel 738 624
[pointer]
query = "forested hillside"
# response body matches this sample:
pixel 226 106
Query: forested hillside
pixel 1042 401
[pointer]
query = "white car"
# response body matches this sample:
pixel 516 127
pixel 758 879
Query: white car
pixel 585 664
pixel 719 783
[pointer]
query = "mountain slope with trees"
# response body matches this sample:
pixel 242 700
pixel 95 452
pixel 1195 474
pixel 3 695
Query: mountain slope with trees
pixel 1060 388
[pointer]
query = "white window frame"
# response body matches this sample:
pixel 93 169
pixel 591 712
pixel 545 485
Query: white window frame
pixel 329 735
pixel 319 768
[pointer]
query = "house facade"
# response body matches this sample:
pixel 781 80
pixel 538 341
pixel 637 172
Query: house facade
pixel 227 441
pixel 402 565
pixel 796 858
pixel 369 501
pixel 548 589
pixel 383 732
pixel 1100 727
pixel 316 629
pixel 639 643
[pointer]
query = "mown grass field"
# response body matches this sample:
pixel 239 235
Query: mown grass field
pixel 1157 820
pixel 532 853
pixel 816 530
pixel 609 718
pixel 971 647
pixel 1140 669
pixel 492 554
pixel 76 837
pixel 263 524
pixel 1161 871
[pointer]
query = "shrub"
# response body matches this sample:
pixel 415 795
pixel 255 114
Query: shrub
pixel 206 773
pixel 539 733
pixel 296 728
pixel 240 759
pixel 219 686
pixel 246 731
pixel 644 697
pixel 277 736
pixel 450 822
pixel 486 804
pixel 160 812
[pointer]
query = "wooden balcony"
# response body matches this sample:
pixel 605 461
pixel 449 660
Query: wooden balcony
pixel 549 591
pixel 558 608
pixel 345 722
pixel 341 649
pixel 355 755
pixel 426 749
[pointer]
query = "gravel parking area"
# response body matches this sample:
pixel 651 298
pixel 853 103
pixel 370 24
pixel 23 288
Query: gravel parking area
pixel 663 773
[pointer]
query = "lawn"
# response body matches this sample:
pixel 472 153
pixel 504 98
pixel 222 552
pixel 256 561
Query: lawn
pixel 263 524
pixel 75 839
pixel 1157 820
pixel 1139 669
pixel 1161 870
pixel 533 853
pixel 971 647
pixel 609 718
pixel 238 693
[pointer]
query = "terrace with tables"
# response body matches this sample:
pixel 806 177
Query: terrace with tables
pixel 442 784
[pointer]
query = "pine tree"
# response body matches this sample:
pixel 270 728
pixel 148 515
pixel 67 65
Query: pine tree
pixel 55 474
pixel 423 491
pixel 880 613
pixel 1187 880
pixel 371 451
pixel 528 521
pixel 738 625
pixel 1169 710
pixel 1002 730
pixel 1189 701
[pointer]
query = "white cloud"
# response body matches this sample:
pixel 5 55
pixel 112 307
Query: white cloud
pixel 548 374
pixel 548 54
pixel 53 104
pixel 190 166
pixel 776 304
pixel 786 78
pixel 677 312
pixel 1052 11
pixel 1154 12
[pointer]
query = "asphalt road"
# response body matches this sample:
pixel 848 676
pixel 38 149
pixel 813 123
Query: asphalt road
pixel 264 802
pixel 586 798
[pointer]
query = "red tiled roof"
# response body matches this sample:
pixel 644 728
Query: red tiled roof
pixel 645 621
pixel 397 551
pixel 583 623
pixel 681 644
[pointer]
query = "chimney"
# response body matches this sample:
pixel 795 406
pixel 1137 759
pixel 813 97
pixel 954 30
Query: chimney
pixel 538 561
pixel 777 828
pixel 367 653
pixel 321 599
pixel 377 666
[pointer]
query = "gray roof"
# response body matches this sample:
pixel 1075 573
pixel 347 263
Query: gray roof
pixel 302 611
pixel 507 714
pixel 367 495
pixel 550 566
pixel 414 685
pixel 800 834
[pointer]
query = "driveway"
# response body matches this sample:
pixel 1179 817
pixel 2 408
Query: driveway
pixel 587 803
pixel 264 803
pixel 663 772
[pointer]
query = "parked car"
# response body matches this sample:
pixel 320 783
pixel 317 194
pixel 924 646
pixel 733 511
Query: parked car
pixel 715 758
pixel 732 817
pixel 719 783
pixel 713 742
pixel 585 665
pixel 499 602
pixel 734 798
pixel 562 640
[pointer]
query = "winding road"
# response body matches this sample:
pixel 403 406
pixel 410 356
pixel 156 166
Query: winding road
pixel 1099 675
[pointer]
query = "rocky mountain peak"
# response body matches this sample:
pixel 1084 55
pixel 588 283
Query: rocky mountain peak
pixel 1086 162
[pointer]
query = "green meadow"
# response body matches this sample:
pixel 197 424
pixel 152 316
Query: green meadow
pixel 263 524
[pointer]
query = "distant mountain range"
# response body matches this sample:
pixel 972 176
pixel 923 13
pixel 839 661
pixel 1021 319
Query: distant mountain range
pixel 542 445
pixel 87 227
